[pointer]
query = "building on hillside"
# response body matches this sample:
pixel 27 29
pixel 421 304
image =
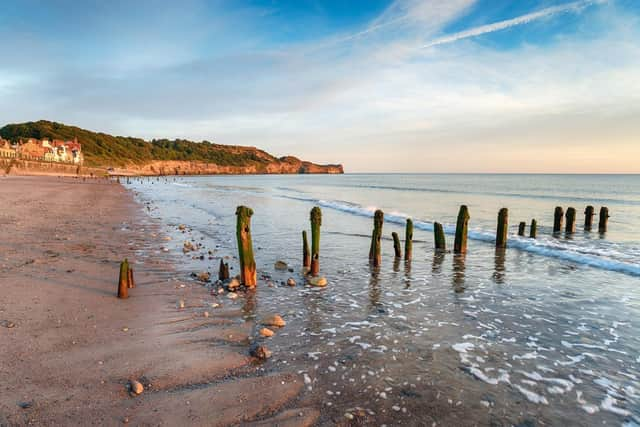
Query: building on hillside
pixel 32 148
pixel 51 151
pixel 6 150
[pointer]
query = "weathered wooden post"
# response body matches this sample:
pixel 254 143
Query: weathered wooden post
pixel 533 230
pixel 396 245
pixel 503 225
pixel 589 212
pixel 408 240
pixel 438 237
pixel 123 281
pixel 604 219
pixel 570 227
pixel 521 228
pixel 462 225
pixel 223 270
pixel 130 282
pixel 306 255
pixel 316 222
pixel 375 256
pixel 558 216
pixel 248 273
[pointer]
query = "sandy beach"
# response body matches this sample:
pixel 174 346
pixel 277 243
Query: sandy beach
pixel 69 347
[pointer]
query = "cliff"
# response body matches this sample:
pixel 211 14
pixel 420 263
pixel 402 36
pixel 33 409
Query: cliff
pixel 129 155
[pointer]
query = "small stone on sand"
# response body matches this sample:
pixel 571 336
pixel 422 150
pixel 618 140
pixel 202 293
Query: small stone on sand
pixel 291 281
pixel 260 351
pixel 281 265
pixel 136 387
pixel 320 282
pixel 266 332
pixel 274 320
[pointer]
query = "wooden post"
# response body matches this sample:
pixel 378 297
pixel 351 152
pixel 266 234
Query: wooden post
pixel 396 245
pixel 558 217
pixel 533 231
pixel 503 225
pixel 248 273
pixel 521 228
pixel 306 255
pixel 589 212
pixel 223 270
pixel 130 282
pixel 408 240
pixel 460 243
pixel 123 281
pixel 438 237
pixel 604 219
pixel 374 252
pixel 316 222
pixel 570 227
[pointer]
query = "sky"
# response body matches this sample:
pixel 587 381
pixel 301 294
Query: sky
pixel 377 85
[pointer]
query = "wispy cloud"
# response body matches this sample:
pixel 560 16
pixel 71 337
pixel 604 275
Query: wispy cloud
pixel 572 7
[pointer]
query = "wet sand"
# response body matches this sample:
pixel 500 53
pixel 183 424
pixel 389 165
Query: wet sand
pixel 69 347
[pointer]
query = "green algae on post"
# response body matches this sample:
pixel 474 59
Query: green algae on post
pixel 316 222
pixel 408 240
pixel 248 275
pixel 375 256
pixel 460 243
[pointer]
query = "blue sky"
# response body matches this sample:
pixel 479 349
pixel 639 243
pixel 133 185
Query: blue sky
pixel 380 85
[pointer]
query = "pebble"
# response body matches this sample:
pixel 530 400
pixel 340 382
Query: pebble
pixel 274 320
pixel 181 303
pixel 281 265
pixel 291 281
pixel 320 282
pixel 204 276
pixel 205 314
pixel 136 387
pixel 233 284
pixel 348 416
pixel 260 352
pixel 266 332
pixel 7 324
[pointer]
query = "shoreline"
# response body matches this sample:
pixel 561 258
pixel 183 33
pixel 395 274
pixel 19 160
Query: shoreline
pixel 72 346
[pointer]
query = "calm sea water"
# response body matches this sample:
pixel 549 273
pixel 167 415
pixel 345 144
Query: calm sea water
pixel 546 332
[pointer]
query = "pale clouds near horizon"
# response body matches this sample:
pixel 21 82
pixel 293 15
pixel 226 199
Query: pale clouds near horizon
pixel 412 89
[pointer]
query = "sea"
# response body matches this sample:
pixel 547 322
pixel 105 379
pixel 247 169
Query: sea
pixel 545 332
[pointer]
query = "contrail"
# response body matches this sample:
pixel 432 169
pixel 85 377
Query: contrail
pixel 575 6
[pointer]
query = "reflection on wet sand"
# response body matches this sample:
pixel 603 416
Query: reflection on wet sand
pixel 458 272
pixel 499 269
pixel 436 265
pixel 374 288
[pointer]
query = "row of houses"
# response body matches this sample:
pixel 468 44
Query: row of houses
pixel 43 149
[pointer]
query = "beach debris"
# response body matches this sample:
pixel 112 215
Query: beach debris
pixel 25 405
pixel 522 228
pixel 438 237
pixel 7 324
pixel 570 216
pixel 319 282
pixel 306 255
pixel 374 251
pixel 181 303
pixel 232 295
pixel 462 225
pixel 408 240
pixel 589 213
pixel 533 229
pixel 604 218
pixel 316 222
pixel 291 281
pixel 280 265
pixel 260 352
pixel 503 228
pixel 182 227
pixel 123 282
pixel 188 247
pixel 558 218
pixel 245 247
pixel 274 320
pixel 203 276
pixel 223 270
pixel 266 332
pixel 396 245
pixel 135 387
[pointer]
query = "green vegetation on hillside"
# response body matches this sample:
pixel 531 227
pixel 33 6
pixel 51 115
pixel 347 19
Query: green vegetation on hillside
pixel 100 149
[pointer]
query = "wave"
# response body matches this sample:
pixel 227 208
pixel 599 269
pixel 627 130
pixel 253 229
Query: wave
pixel 592 257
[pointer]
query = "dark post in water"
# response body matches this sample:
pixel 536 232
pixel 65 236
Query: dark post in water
pixel 503 225
pixel 408 240
pixel 533 231
pixel 316 221
pixel 558 217
pixel 438 237
pixel 396 245
pixel 604 219
pixel 123 281
pixel 589 213
pixel 223 270
pixel 248 274
pixel 374 252
pixel 571 221
pixel 306 255
pixel 521 228
pixel 460 243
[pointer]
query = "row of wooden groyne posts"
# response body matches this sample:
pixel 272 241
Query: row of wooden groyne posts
pixel 311 255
